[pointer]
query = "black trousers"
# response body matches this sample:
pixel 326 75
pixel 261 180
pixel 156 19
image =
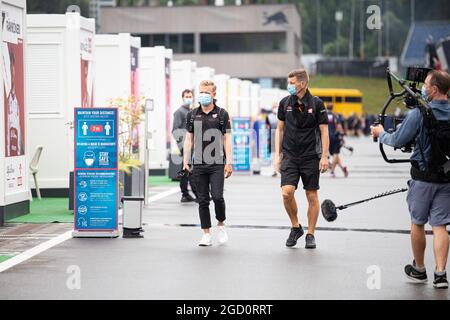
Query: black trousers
pixel 210 177
pixel 185 182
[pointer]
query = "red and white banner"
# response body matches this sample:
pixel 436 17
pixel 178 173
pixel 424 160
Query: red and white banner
pixel 12 53
pixel 134 82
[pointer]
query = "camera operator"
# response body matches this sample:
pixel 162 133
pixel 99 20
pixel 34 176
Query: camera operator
pixel 428 194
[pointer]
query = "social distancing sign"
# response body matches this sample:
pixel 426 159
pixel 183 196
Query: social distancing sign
pixel 96 173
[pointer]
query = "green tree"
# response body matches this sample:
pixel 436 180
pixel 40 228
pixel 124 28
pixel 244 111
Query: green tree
pixel 329 48
pixel 396 19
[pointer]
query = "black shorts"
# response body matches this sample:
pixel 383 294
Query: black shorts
pixel 292 169
pixel 335 146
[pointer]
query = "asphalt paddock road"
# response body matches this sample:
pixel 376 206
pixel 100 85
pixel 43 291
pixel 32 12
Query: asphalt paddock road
pixel 359 256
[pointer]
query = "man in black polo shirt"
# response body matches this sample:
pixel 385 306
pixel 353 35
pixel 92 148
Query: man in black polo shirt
pixel 209 134
pixel 301 146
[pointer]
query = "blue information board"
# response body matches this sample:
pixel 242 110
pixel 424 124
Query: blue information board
pixel 264 141
pixel 96 170
pixel 241 144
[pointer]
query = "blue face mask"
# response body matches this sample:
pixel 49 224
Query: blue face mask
pixel 424 93
pixel 204 99
pixel 291 89
pixel 187 102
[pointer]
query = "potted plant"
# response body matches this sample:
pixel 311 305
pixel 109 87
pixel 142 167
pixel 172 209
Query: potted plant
pixel 131 169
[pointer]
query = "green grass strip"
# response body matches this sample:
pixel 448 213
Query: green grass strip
pixel 4 258
pixel 47 210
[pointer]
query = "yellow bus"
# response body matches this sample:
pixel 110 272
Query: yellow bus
pixel 345 101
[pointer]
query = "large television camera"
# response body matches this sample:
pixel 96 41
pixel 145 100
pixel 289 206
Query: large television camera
pixel 415 75
pixel 412 98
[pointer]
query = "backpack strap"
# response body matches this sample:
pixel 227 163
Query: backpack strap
pixel 316 100
pixel 222 119
pixel 192 119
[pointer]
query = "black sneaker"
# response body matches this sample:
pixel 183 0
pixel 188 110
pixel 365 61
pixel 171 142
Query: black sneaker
pixel 440 282
pixel 187 198
pixel 295 234
pixel 310 241
pixel 413 274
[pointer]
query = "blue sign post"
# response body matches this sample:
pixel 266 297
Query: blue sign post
pixel 241 144
pixel 264 143
pixel 96 173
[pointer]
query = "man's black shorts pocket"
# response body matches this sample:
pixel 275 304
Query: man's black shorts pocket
pixel 310 174
pixel 290 173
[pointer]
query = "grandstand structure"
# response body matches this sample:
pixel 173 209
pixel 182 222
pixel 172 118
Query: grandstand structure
pixel 414 51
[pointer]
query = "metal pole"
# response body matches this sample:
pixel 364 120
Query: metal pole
pixel 338 16
pixel 352 27
pixel 146 160
pixel 319 28
pixel 361 31
pixel 387 50
pixel 337 38
pixel 385 194
pixel 380 34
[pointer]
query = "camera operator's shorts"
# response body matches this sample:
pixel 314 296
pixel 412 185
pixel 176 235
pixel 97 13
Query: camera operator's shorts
pixel 292 169
pixel 429 202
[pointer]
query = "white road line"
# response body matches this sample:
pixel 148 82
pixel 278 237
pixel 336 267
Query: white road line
pixel 25 238
pixel 26 255
pixel 163 195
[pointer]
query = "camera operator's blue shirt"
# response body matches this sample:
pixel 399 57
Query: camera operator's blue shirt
pixel 412 129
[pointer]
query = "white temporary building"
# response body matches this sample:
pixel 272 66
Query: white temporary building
pixel 221 81
pixel 245 99
pixel 255 100
pixel 14 148
pixel 234 96
pixel 271 96
pixel 60 77
pixel 117 75
pixel 116 67
pixel 182 78
pixel 156 85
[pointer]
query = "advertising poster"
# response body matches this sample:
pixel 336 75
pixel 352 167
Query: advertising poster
pixel 87 70
pixel 241 144
pixel 264 140
pixel 168 107
pixel 13 81
pixel 14 97
pixel 96 169
pixel 134 63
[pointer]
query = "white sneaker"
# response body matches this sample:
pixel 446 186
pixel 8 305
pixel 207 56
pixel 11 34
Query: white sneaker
pixel 223 236
pixel 206 240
